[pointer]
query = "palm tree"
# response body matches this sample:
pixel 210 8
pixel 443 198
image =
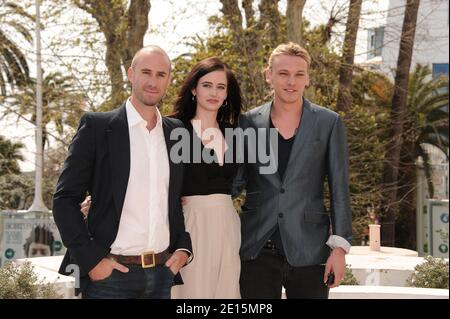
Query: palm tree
pixel 13 64
pixel 62 109
pixel 426 124
pixel 9 156
pixel 62 105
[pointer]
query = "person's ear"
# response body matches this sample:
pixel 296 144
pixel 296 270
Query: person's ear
pixel 268 76
pixel 194 92
pixel 130 74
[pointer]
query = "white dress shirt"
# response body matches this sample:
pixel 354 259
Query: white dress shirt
pixel 144 223
pixel 335 241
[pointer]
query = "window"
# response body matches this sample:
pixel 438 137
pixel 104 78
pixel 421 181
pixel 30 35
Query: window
pixel 375 42
pixel 440 69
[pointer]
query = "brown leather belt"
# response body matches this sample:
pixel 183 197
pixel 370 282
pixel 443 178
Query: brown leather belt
pixel 146 260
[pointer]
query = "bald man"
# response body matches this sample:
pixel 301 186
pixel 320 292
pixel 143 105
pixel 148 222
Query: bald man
pixel 134 242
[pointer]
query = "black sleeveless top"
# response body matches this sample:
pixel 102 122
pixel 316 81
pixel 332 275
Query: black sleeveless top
pixel 208 178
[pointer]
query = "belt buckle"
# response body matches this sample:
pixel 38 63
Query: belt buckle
pixel 143 255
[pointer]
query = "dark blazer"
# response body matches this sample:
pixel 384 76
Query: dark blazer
pixel 296 202
pixel 98 162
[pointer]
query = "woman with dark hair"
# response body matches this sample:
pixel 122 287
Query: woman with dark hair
pixel 208 103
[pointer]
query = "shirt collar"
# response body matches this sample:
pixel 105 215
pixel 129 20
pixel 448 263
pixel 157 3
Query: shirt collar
pixel 134 118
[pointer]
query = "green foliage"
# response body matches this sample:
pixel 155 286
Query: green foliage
pixel 427 117
pixel 17 191
pixel 9 156
pixel 14 24
pixel 61 106
pixel 123 25
pixel 366 152
pixel 20 282
pixel 324 72
pixel 433 273
pixel 349 278
pixel 426 122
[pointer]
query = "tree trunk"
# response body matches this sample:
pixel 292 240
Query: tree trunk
pixel 270 19
pixel 344 99
pixel 113 60
pixel 294 13
pixel 231 11
pixel 124 30
pixel 398 111
pixel 249 13
pixel 247 44
pixel 405 225
pixel 137 27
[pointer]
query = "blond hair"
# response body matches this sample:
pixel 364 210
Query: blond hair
pixel 292 49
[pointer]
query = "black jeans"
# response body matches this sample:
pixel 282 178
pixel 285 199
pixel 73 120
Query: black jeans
pixel 137 283
pixel 263 278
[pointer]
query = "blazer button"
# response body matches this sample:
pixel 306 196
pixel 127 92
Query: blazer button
pixel 282 191
pixel 280 215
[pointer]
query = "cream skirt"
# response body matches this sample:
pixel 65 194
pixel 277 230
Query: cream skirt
pixel 215 231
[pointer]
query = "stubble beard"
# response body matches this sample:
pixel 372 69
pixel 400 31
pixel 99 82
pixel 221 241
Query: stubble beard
pixel 149 102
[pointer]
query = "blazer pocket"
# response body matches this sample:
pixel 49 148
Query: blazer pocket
pixel 317 218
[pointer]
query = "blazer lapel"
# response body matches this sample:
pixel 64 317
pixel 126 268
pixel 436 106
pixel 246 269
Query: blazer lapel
pixel 307 124
pixel 119 148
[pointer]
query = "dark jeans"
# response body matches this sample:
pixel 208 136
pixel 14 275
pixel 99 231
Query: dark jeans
pixel 137 283
pixel 263 278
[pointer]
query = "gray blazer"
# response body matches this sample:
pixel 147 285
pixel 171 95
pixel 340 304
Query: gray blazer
pixel 296 202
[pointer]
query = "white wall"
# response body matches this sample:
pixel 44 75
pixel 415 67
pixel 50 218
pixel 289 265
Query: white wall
pixel 373 15
pixel 431 43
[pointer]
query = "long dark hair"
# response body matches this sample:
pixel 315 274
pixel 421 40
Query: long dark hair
pixel 185 107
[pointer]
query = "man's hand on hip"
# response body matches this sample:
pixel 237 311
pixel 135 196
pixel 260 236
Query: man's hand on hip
pixel 105 268
pixel 178 259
